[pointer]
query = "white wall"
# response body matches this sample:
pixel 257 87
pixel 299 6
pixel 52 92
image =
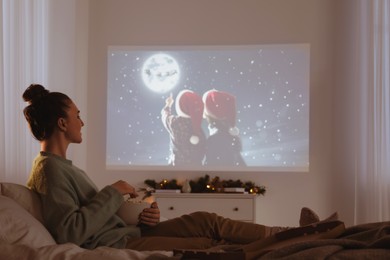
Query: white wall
pixel 147 22
pixel 68 59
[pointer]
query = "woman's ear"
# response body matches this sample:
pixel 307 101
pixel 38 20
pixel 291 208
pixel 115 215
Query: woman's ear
pixel 61 124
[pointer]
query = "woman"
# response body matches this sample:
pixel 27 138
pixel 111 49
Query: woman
pixel 74 210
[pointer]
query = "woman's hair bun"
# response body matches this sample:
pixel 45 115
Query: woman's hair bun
pixel 34 92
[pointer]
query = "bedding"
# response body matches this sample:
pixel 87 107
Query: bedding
pixel 365 241
pixel 23 237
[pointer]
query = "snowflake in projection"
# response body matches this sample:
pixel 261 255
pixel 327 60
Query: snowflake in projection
pixel 271 85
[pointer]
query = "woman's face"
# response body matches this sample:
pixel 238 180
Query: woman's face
pixel 73 124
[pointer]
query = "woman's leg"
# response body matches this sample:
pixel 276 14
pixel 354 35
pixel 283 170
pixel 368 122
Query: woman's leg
pixel 208 225
pixel 202 230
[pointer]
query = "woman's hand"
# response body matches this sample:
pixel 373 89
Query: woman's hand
pixel 125 188
pixel 150 216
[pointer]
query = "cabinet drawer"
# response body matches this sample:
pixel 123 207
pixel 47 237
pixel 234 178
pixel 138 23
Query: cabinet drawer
pixel 238 209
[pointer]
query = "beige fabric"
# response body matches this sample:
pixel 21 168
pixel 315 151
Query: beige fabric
pixel 28 199
pixel 73 252
pixel 17 226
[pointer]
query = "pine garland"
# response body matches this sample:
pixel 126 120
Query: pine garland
pixel 207 185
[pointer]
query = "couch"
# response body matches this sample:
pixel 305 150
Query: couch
pixel 23 237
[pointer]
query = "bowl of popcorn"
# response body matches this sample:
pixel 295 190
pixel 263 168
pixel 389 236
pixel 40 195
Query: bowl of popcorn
pixel 130 211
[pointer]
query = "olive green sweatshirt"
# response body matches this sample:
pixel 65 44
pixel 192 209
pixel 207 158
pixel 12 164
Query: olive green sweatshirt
pixel 73 209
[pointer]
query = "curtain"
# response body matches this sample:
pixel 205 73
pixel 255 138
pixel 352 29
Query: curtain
pixel 45 42
pixel 372 182
pixel 23 61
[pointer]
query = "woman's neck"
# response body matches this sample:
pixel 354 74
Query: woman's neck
pixel 55 147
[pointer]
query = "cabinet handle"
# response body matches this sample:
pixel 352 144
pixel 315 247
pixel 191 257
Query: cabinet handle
pixel 235 209
pixel 171 208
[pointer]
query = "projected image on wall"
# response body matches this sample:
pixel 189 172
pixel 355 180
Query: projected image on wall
pixel 208 108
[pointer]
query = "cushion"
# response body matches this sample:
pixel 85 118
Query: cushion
pixel 17 226
pixel 27 198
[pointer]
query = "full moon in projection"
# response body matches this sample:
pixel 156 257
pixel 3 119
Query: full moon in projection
pixel 160 73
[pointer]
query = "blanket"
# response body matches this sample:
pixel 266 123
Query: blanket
pixel 365 241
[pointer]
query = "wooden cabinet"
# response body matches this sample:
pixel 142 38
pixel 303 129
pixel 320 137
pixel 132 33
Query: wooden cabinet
pixel 229 205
